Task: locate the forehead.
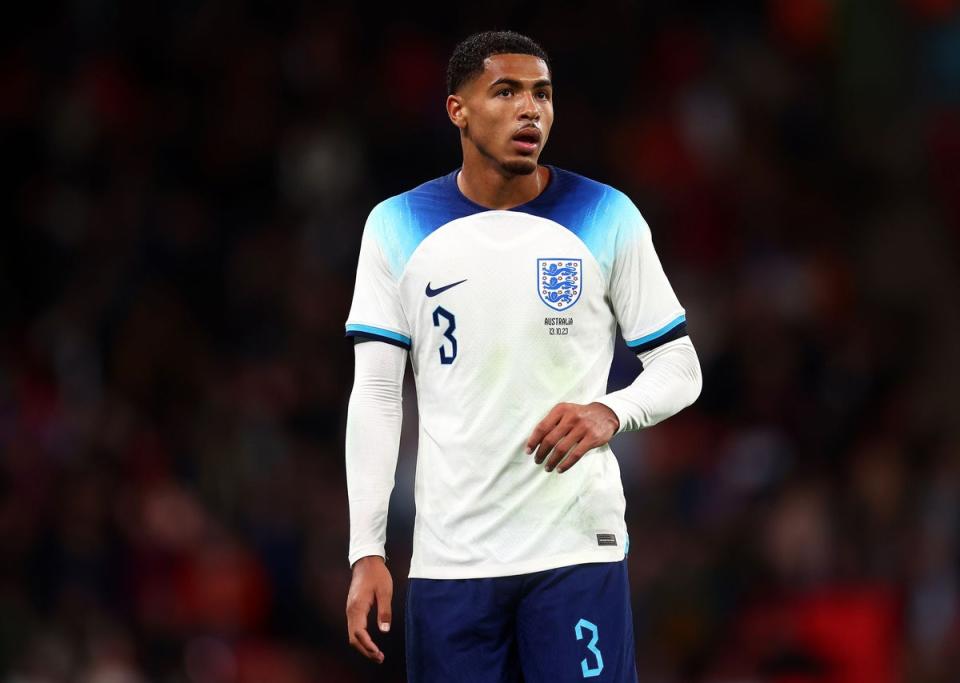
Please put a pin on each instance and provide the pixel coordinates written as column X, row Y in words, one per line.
column 513, row 66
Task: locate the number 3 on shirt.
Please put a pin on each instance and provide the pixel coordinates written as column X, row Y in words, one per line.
column 441, row 312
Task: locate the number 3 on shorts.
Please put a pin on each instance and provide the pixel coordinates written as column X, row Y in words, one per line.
column 589, row 672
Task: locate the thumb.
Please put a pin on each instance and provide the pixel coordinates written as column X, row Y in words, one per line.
column 384, row 610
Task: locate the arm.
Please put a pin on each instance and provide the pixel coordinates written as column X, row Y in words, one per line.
column 669, row 382
column 374, row 416
column 653, row 324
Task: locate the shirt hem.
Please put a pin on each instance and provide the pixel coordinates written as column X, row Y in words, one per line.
column 641, row 336
column 488, row 571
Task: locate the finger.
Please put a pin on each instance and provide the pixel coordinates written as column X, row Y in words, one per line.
column 549, row 441
column 357, row 611
column 384, row 608
column 544, row 426
column 362, row 642
column 563, row 447
column 574, row 456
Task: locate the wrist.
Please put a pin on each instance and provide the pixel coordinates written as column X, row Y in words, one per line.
column 608, row 415
column 368, row 561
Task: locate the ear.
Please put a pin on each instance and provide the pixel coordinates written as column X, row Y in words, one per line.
column 456, row 111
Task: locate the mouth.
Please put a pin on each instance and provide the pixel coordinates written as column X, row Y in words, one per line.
column 527, row 140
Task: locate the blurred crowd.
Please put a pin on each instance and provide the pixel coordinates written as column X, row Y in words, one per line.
column 184, row 189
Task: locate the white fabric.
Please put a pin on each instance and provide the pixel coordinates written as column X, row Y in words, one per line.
column 374, row 415
column 468, row 291
column 670, row 381
column 376, row 294
column 642, row 298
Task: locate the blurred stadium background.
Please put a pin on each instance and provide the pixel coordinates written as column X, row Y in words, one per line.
column 184, row 188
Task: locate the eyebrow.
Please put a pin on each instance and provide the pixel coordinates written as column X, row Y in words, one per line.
column 542, row 83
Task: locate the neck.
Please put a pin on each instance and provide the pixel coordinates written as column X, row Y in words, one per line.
column 488, row 185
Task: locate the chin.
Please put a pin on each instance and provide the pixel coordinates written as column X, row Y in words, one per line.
column 519, row 166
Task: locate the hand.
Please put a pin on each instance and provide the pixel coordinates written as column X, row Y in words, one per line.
column 371, row 582
column 571, row 425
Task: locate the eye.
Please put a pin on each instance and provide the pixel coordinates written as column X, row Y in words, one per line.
column 504, row 91
column 543, row 95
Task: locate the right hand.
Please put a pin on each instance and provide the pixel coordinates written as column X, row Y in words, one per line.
column 371, row 583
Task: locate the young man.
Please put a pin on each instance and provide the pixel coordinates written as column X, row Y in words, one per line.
column 505, row 281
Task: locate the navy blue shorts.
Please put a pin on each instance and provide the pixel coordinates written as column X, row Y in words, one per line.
column 567, row 624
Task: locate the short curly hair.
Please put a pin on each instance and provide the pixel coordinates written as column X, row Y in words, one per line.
column 468, row 56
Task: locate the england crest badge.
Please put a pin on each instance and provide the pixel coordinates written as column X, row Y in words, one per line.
column 559, row 281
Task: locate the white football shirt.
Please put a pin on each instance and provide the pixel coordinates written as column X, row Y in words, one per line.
column 507, row 313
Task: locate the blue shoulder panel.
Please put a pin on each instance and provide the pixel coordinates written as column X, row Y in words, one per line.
column 404, row 220
column 595, row 212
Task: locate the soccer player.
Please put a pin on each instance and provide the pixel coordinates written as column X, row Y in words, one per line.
column 505, row 281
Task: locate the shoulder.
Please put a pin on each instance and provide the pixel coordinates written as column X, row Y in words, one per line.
column 416, row 211
column 594, row 207
column 605, row 218
column 432, row 193
column 401, row 222
column 593, row 191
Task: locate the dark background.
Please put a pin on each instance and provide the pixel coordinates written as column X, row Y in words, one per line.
column 184, row 188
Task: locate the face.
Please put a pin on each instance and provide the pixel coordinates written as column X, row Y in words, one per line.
column 505, row 113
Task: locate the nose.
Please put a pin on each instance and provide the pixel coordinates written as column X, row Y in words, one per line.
column 529, row 109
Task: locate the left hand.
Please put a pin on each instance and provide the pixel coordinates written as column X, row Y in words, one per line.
column 571, row 426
